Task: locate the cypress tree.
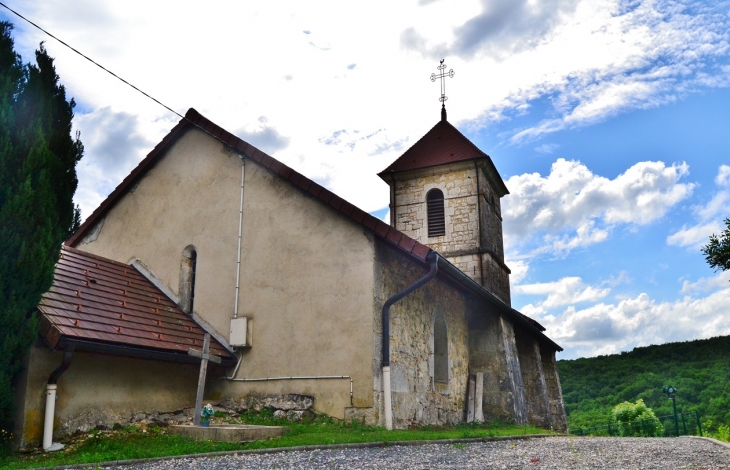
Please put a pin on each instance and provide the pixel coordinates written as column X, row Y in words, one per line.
column 38, row 157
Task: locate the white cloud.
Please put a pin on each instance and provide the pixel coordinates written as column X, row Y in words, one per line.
column 546, row 149
column 639, row 321
column 566, row 291
column 519, row 270
column 723, row 176
column 589, row 58
column 709, row 215
column 705, row 284
column 572, row 207
column 694, row 237
column 114, row 142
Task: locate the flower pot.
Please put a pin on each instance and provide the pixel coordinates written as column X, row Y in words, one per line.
column 205, row 424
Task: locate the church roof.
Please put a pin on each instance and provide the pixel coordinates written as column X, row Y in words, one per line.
column 103, row 305
column 442, row 145
column 192, row 119
column 385, row 232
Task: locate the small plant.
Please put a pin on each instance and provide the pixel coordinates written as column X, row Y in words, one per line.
column 460, row 445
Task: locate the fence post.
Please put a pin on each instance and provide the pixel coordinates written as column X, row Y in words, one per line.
column 684, row 425
column 609, row 429
column 699, row 425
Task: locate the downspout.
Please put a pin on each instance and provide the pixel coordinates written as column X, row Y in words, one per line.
column 238, row 264
column 240, row 230
column 432, row 258
column 51, row 386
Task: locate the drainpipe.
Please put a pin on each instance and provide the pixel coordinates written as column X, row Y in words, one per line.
column 240, row 227
column 48, row 444
column 432, row 258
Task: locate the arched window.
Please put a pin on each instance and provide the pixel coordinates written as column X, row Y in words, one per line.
column 187, row 278
column 435, row 213
column 440, row 350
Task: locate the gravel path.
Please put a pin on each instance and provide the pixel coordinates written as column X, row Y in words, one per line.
column 552, row 453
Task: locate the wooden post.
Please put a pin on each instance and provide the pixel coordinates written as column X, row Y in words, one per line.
column 205, row 356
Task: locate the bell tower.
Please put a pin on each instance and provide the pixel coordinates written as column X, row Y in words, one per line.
column 445, row 193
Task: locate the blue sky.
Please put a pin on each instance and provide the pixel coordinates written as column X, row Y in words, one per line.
column 606, row 119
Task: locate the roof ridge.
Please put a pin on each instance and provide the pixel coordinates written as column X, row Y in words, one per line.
column 194, row 118
column 431, row 151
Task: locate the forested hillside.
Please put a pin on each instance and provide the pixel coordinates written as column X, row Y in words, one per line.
column 700, row 370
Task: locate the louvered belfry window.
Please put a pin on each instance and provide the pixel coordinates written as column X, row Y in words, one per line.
column 435, row 210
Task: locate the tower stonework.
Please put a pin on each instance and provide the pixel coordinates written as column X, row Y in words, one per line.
column 445, row 160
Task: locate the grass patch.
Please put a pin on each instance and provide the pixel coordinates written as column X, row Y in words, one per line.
column 132, row 442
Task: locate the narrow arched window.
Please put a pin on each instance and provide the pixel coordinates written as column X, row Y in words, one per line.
column 435, row 213
column 187, row 278
column 440, row 350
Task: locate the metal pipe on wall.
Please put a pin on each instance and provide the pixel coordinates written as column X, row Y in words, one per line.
column 240, row 230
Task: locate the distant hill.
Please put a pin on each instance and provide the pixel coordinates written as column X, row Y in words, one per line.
column 699, row 370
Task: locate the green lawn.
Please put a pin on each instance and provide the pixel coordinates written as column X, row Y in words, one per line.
column 135, row 443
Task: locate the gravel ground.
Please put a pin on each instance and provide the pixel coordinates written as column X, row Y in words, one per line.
column 553, row 453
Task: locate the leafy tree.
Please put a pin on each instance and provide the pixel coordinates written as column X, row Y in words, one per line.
column 717, row 252
column 636, row 419
column 700, row 370
column 38, row 157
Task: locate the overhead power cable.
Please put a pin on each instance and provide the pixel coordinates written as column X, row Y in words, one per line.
column 109, row 71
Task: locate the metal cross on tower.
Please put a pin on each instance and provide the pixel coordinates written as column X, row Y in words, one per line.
column 442, row 75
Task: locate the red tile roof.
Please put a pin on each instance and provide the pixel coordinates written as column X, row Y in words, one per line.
column 192, row 119
column 442, row 145
column 98, row 300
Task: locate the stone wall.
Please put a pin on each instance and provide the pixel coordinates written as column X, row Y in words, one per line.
column 473, row 240
column 480, row 340
column 533, row 378
column 460, row 208
column 555, row 393
column 416, row 398
column 491, row 351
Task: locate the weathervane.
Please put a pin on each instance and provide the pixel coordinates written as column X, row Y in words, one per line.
column 442, row 75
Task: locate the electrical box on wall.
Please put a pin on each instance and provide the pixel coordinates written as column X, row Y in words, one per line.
column 240, row 332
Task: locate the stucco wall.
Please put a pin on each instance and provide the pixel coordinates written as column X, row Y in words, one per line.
column 306, row 272
column 307, row 282
column 99, row 390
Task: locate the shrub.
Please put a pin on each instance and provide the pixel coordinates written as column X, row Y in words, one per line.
column 636, row 419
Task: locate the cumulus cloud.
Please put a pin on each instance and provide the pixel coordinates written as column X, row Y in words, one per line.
column 566, row 291
column 572, row 207
column 263, row 136
column 641, row 321
column 709, row 216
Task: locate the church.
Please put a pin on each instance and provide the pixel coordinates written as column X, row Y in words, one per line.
column 399, row 324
